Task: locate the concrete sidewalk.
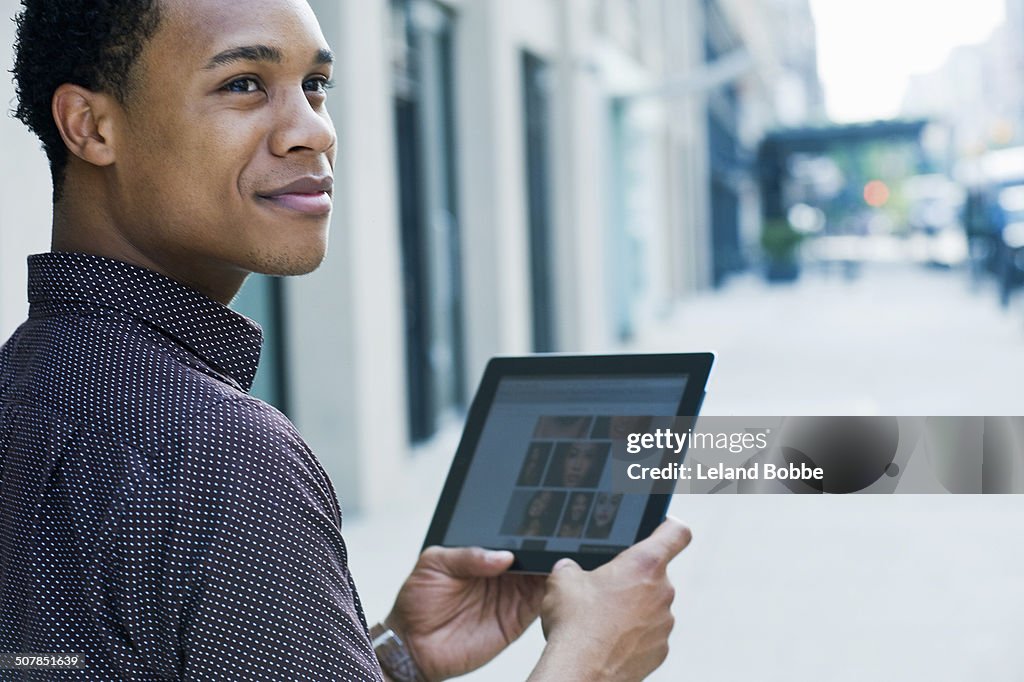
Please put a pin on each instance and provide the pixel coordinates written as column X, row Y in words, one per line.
column 797, row 588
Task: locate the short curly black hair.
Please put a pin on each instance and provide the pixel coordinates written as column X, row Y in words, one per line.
column 92, row 43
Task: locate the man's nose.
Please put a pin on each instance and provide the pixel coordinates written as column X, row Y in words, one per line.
column 300, row 126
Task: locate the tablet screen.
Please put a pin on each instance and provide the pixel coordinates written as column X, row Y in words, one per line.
column 540, row 475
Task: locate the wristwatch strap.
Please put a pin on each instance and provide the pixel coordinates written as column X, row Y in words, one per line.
column 394, row 657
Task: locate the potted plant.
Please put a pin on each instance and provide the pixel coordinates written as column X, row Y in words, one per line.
column 780, row 244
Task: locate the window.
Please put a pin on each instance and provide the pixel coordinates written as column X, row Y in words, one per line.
column 425, row 134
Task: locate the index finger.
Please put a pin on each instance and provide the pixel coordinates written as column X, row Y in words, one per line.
column 664, row 544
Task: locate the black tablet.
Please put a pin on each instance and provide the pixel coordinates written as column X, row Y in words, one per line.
column 532, row 473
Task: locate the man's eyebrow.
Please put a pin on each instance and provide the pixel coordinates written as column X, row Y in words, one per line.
column 260, row 53
column 245, row 53
column 324, row 56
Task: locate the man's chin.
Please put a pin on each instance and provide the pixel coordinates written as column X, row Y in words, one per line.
column 290, row 263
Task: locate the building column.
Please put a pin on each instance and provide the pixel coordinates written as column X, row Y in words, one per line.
column 492, row 186
column 582, row 177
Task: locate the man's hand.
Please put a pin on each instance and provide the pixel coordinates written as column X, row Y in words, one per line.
column 458, row 609
column 611, row 623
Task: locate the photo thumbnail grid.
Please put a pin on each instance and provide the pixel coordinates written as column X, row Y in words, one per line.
column 556, row 493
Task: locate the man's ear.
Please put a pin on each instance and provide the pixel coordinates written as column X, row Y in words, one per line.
column 85, row 121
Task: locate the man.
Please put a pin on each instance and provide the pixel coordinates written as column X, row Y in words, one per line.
column 154, row 517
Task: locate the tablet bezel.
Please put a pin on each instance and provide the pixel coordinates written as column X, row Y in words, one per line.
column 696, row 367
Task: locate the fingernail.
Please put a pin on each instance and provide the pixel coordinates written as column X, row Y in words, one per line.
column 496, row 556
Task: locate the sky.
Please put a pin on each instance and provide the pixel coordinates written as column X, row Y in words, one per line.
column 868, row 49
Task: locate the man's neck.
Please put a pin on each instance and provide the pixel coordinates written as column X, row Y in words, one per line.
column 81, row 227
column 88, row 219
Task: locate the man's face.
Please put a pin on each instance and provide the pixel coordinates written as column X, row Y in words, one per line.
column 226, row 160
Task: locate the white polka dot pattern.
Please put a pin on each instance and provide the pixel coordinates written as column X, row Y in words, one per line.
column 154, row 517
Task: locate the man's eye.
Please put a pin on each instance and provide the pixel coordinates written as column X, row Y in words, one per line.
column 242, row 85
column 320, row 85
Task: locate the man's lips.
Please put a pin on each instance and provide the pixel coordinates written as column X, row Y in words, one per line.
column 312, row 204
column 309, row 195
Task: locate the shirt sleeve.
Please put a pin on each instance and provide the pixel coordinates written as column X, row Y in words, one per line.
column 270, row 596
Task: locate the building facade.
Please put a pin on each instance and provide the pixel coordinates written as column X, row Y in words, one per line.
column 512, row 177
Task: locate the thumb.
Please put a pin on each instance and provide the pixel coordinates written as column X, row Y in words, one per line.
column 667, row 540
column 565, row 566
column 467, row 562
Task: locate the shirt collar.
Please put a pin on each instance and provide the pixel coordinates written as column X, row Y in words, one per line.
column 220, row 337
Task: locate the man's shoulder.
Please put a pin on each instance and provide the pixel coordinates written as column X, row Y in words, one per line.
column 136, row 397
column 236, row 417
column 248, row 455
column 110, row 371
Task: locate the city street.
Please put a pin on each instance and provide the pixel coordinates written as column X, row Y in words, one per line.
column 516, row 176
column 899, row 340
column 792, row 588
